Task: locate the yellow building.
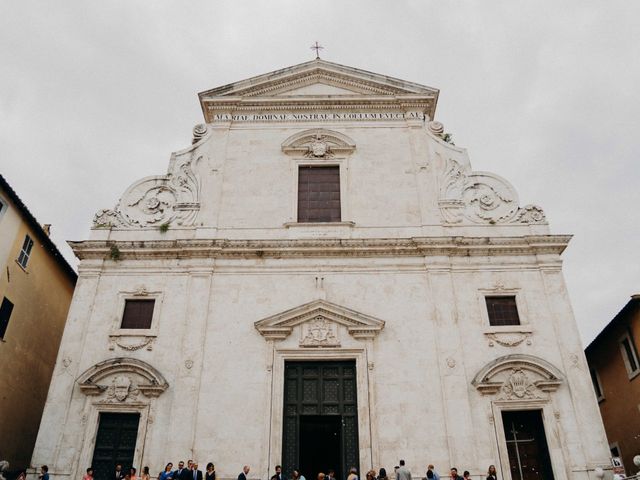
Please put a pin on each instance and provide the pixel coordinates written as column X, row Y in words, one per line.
column 36, row 285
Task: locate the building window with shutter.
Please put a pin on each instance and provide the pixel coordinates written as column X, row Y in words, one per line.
column 5, row 314
column 629, row 355
column 319, row 194
column 597, row 386
column 25, row 251
column 502, row 310
column 138, row 314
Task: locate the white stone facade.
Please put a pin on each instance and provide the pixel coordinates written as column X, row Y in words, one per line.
column 398, row 285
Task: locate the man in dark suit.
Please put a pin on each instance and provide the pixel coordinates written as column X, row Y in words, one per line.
column 119, row 474
column 195, row 473
column 181, row 473
column 244, row 473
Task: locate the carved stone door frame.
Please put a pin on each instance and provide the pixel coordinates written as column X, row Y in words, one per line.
column 93, row 423
column 366, row 440
column 549, row 422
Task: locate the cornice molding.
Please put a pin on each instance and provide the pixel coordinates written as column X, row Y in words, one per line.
column 237, row 105
column 379, row 247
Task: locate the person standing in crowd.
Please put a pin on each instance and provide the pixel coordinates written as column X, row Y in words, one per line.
column 491, row 473
column 331, row 475
column 434, row 474
column 321, row 476
column 454, row 474
column 132, row 474
column 353, row 474
column 278, row 474
column 44, row 472
column 145, row 474
column 88, row 475
column 167, row 474
column 189, row 465
column 403, row 472
column 382, row 474
column 371, row 475
column 466, row 475
column 244, row 473
column 181, row 473
column 210, row 474
column 195, row 473
column 119, row 475
column 297, row 475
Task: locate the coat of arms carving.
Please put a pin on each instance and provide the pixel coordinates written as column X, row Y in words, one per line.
column 319, row 332
column 519, row 386
column 121, row 388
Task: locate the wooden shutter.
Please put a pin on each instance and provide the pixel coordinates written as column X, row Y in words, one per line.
column 137, row 314
column 319, row 194
column 502, row 311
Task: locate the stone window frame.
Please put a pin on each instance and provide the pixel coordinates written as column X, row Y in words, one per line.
column 135, row 338
column 505, row 335
column 343, row 166
column 631, row 373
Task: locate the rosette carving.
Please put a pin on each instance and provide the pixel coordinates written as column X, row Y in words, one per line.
column 482, row 198
column 158, row 200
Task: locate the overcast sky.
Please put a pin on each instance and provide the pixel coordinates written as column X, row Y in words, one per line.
column 95, row 94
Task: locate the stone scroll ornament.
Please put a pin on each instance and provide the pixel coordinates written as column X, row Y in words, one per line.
column 158, row 200
column 481, row 197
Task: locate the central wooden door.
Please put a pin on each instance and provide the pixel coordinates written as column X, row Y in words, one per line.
column 115, row 443
column 527, row 445
column 320, row 428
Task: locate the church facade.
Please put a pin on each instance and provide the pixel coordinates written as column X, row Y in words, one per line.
column 321, row 280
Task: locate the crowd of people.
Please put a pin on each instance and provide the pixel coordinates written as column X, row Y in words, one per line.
column 191, row 472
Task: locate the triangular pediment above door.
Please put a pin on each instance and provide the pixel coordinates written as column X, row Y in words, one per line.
column 322, row 314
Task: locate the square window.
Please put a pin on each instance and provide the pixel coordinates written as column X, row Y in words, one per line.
column 137, row 314
column 502, row 311
column 319, row 193
column 5, row 313
column 25, row 251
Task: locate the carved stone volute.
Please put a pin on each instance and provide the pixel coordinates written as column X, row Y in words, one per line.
column 481, row 197
column 158, row 200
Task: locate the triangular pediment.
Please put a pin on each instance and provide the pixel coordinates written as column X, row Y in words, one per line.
column 280, row 326
column 319, row 72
